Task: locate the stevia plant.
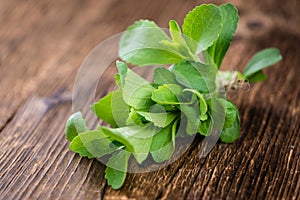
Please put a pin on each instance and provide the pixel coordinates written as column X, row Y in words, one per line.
column 143, row 116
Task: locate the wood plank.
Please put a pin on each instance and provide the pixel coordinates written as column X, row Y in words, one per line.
column 42, row 46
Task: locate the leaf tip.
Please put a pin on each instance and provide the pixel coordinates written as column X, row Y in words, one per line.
column 74, row 125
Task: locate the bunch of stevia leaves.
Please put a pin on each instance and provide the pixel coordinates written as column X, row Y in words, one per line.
column 144, row 117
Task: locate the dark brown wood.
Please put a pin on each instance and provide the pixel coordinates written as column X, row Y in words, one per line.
column 43, row 44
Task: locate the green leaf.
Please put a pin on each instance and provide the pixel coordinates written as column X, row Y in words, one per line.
column 229, row 20
column 120, row 110
column 174, row 130
column 157, row 108
column 231, row 112
column 136, row 91
column 135, row 118
column 206, row 127
column 257, row 76
column 74, row 126
column 163, row 76
column 140, row 45
column 196, row 75
column 202, row 26
column 78, row 147
column 137, row 139
column 162, row 146
column 118, row 80
column 207, row 58
column 261, row 60
column 112, row 109
column 231, row 127
column 192, row 115
column 203, row 105
column 178, row 43
column 232, row 133
column 115, row 172
column 92, row 144
column 175, row 31
column 159, row 119
column 217, row 111
column 167, row 94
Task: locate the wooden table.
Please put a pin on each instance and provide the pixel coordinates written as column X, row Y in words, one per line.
column 43, row 44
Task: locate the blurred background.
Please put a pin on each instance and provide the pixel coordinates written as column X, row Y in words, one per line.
column 44, row 42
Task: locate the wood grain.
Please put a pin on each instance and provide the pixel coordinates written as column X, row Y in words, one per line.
column 43, row 44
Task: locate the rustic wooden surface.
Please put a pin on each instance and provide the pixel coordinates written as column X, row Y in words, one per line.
column 42, row 46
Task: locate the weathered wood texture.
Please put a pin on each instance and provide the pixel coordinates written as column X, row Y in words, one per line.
column 42, row 46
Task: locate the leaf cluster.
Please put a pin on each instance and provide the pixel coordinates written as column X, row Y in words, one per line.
column 144, row 116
